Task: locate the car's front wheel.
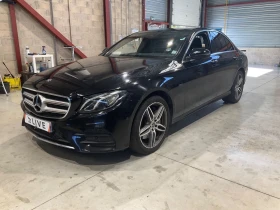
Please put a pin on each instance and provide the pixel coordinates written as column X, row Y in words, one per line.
column 150, row 126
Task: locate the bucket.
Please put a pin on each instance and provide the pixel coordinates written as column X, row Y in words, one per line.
column 14, row 82
column 7, row 87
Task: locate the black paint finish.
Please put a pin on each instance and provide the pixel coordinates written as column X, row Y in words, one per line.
column 187, row 84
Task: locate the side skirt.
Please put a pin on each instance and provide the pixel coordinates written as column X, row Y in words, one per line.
column 200, row 107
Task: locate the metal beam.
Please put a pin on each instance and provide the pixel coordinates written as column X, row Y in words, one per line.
column 48, row 26
column 107, row 23
column 244, row 3
column 205, row 13
column 15, row 36
column 169, row 12
column 143, row 15
column 54, row 39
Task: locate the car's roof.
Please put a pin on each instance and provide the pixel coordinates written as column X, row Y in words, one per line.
column 188, row 30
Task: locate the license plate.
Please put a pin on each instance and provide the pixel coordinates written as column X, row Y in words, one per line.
column 38, row 123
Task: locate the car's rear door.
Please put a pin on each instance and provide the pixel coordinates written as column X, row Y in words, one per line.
column 224, row 61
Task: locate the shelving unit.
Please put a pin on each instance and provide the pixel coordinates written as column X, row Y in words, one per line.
column 34, row 57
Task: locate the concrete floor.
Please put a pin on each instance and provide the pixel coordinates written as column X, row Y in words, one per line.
column 222, row 157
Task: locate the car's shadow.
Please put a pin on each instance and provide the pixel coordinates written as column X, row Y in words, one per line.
column 117, row 157
column 195, row 116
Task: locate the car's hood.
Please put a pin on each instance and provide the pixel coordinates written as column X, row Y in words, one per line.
column 95, row 75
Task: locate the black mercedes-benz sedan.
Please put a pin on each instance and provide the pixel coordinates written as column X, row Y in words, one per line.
column 130, row 95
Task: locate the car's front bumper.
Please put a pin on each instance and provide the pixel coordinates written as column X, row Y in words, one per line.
column 88, row 133
column 95, row 138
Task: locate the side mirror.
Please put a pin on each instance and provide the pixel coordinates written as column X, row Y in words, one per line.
column 197, row 53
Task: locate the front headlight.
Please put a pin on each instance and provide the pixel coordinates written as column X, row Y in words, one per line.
column 102, row 102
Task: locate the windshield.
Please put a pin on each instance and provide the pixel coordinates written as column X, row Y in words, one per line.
column 155, row 44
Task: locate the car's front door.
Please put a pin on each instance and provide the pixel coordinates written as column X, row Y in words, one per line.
column 199, row 88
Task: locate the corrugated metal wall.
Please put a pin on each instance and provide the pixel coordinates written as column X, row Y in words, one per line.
column 156, row 9
column 253, row 25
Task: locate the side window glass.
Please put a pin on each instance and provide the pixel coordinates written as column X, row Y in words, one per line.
column 228, row 46
column 219, row 43
column 200, row 41
column 215, row 43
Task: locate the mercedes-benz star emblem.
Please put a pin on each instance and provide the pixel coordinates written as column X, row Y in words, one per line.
column 37, row 103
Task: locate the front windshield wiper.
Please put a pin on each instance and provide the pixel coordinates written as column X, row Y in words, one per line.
column 119, row 55
column 125, row 54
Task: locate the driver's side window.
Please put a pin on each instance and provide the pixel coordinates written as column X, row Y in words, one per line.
column 200, row 41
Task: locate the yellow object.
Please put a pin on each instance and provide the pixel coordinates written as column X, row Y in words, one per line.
column 14, row 82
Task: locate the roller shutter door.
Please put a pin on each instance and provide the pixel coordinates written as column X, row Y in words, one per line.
column 186, row 13
column 220, row 2
column 156, row 9
column 252, row 25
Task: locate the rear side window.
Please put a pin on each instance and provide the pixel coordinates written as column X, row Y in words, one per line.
column 219, row 43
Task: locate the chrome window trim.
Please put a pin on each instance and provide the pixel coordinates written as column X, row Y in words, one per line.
column 217, row 53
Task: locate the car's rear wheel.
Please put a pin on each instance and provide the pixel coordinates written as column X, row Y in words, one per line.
column 150, row 126
column 237, row 89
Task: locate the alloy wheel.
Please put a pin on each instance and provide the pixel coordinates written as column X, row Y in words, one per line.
column 153, row 125
column 239, row 86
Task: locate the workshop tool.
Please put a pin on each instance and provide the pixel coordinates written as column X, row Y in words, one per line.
column 11, row 79
column 8, row 70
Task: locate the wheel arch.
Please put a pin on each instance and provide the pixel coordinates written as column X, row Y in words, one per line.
column 244, row 73
column 239, row 69
column 165, row 96
column 157, row 92
column 243, row 70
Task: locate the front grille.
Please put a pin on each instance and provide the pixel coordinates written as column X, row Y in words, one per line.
column 47, row 105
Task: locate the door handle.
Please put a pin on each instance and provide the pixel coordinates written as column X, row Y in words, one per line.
column 235, row 58
column 214, row 61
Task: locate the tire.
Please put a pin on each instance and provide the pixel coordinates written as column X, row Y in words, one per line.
column 152, row 119
column 237, row 89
